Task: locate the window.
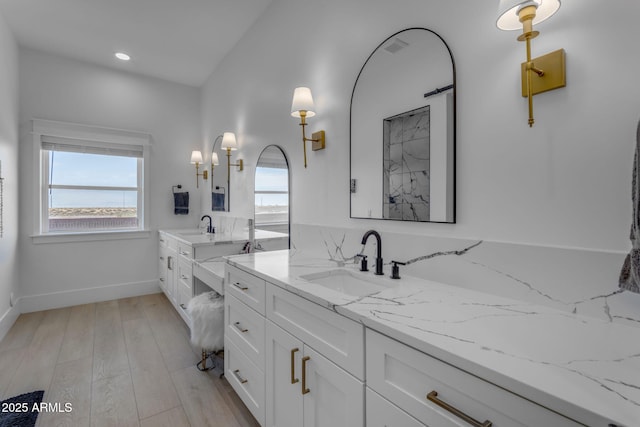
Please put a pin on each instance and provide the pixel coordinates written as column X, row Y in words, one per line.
column 90, row 184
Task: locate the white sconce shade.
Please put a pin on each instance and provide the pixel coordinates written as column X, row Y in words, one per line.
column 508, row 18
column 302, row 101
column 229, row 141
column 214, row 159
column 196, row 157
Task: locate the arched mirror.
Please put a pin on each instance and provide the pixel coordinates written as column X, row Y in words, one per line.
column 219, row 193
column 403, row 131
column 272, row 191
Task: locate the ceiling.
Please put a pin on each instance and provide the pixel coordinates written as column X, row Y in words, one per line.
column 177, row 40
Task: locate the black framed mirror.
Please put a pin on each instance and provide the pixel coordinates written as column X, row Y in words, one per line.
column 403, row 131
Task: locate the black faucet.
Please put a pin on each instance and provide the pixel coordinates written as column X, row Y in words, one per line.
column 210, row 228
column 379, row 253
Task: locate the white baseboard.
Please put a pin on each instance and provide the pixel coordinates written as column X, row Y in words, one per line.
column 8, row 319
column 49, row 301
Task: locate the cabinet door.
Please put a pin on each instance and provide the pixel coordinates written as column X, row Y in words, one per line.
column 335, row 397
column 284, row 392
column 171, row 279
column 162, row 268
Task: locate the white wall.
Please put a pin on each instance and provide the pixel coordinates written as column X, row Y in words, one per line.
column 9, row 158
column 564, row 182
column 56, row 88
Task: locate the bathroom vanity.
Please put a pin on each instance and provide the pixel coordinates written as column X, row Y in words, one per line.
column 190, row 261
column 310, row 343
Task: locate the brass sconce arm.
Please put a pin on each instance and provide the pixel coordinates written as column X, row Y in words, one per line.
column 317, row 138
column 239, row 165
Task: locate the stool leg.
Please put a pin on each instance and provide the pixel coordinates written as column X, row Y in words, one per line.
column 204, row 360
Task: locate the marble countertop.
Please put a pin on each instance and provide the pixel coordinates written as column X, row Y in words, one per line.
column 585, row 368
column 197, row 238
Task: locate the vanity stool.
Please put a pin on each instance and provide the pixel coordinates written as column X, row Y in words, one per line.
column 207, row 328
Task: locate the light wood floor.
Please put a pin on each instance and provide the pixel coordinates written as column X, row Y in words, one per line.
column 125, row 362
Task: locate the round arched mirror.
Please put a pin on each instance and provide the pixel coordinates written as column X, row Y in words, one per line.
column 272, row 191
column 403, row 117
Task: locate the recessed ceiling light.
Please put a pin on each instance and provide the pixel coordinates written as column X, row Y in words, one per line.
column 122, row 56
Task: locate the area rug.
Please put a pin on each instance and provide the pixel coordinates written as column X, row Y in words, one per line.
column 17, row 411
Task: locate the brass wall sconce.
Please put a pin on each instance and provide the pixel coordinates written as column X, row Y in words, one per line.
column 196, row 159
column 229, row 143
column 302, row 107
column 543, row 73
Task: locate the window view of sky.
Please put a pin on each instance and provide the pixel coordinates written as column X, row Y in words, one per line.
column 68, row 168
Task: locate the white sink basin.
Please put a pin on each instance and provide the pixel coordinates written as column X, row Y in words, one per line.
column 344, row 281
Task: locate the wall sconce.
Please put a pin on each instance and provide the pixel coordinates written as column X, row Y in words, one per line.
column 302, row 107
column 229, row 143
column 196, row 159
column 543, row 73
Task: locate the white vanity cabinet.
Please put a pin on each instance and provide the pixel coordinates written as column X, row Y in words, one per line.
column 277, row 342
column 305, row 388
column 168, row 265
column 244, row 338
column 442, row 395
column 176, row 257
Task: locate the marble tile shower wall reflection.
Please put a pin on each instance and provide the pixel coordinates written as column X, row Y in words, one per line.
column 577, row 282
column 406, row 166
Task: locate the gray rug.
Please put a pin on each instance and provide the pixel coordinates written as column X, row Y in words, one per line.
column 17, row 411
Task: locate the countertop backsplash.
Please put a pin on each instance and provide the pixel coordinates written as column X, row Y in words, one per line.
column 582, row 282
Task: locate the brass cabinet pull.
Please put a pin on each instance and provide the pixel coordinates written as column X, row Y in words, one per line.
column 433, row 397
column 182, row 306
column 162, row 279
column 305, row 390
column 242, row 288
column 240, row 328
column 237, row 374
column 293, row 367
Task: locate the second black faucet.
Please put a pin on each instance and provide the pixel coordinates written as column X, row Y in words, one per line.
column 379, row 271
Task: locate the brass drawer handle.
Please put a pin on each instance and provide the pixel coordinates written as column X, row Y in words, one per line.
column 293, row 367
column 183, row 277
column 433, row 397
column 182, row 306
column 305, row 390
column 240, row 328
column 242, row 288
column 239, row 378
column 161, row 279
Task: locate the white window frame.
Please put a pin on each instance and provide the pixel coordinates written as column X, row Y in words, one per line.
column 84, row 135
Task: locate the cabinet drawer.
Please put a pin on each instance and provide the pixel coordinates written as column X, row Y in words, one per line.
column 184, row 271
column 185, row 250
column 406, row 376
column 184, row 296
column 246, row 287
column 334, row 336
column 246, row 328
column 382, row 413
column 246, row 379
